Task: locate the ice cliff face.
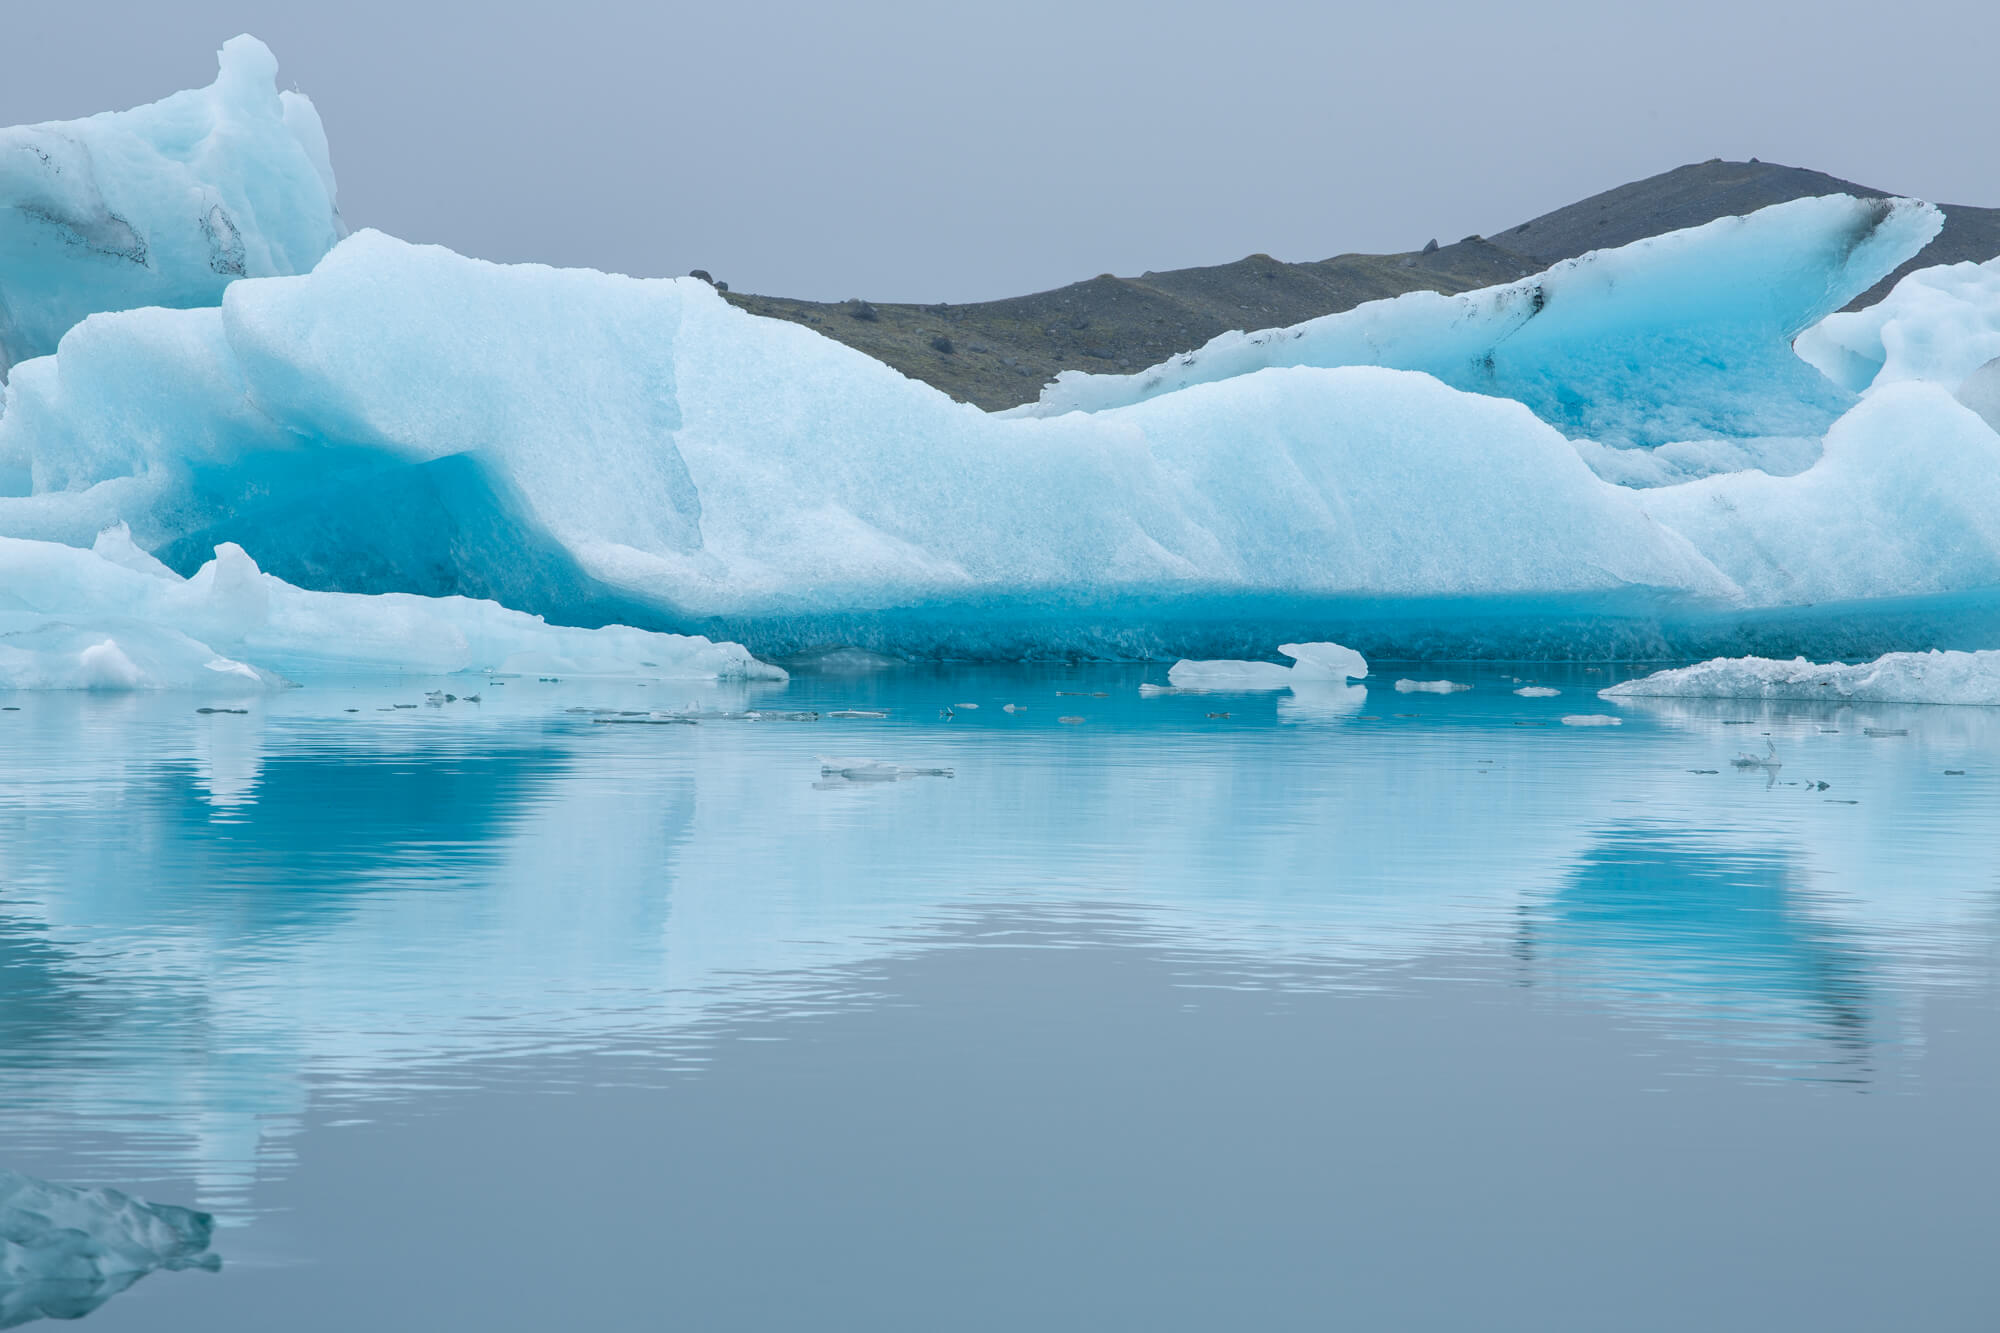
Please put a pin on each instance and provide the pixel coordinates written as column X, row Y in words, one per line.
column 65, row 1251
column 1620, row 456
column 161, row 205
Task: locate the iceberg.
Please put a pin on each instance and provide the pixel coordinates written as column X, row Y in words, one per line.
column 1680, row 337
column 1315, row 663
column 1622, row 457
column 65, row 1251
column 112, row 618
column 162, row 205
column 1894, row 678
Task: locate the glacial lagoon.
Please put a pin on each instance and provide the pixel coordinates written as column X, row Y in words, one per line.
column 1335, row 1007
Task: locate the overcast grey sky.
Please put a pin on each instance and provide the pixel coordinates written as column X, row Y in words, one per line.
column 927, row 150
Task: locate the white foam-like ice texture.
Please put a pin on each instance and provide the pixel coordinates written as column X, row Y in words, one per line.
column 164, row 204
column 64, row 1251
column 1431, row 686
column 111, row 619
column 1592, row 720
column 1537, row 692
column 1895, row 678
column 1937, row 324
column 1311, row 663
column 1679, row 337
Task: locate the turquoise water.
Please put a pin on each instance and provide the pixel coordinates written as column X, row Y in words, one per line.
column 1353, row 1008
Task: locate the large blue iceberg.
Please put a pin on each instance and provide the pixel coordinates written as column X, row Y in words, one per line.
column 1622, row 457
column 161, row 205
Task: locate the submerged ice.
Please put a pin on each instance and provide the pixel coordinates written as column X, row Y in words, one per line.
column 64, row 1251
column 1623, row 455
column 162, row 205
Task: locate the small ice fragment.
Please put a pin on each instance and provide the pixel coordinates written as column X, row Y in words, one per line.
column 1013, row 708
column 972, row 707
column 1430, row 687
column 856, row 712
column 874, row 770
column 1591, row 720
column 1769, row 759
column 1070, row 721
column 1537, row 692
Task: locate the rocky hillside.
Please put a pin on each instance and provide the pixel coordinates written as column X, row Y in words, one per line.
column 999, row 353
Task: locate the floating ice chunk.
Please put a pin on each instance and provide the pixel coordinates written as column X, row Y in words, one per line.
column 162, row 205
column 1430, row 686
column 1537, row 692
column 1682, row 336
column 1769, row 759
column 97, row 619
column 64, row 1251
column 1592, row 720
column 1938, row 324
column 866, row 712
column 1310, row 662
column 1897, row 678
column 874, row 770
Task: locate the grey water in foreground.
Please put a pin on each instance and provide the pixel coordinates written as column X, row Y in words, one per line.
column 1344, row 1008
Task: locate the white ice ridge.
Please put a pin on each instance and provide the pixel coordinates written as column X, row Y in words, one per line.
column 64, row 1251
column 113, row 618
column 1317, row 663
column 162, row 205
column 1940, row 325
column 1679, row 337
column 1896, row 678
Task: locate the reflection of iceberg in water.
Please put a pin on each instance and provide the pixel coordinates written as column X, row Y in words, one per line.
column 396, row 892
column 66, row 1251
column 1728, row 943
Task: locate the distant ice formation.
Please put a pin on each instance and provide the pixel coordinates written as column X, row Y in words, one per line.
column 65, row 1251
column 1895, row 678
column 162, row 205
column 1319, row 663
column 1679, row 337
column 113, row 618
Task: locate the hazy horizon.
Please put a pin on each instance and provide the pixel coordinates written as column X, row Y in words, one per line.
column 907, row 153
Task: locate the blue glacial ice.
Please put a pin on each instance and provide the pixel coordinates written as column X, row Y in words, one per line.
column 161, row 205
column 114, row 618
column 1621, row 457
column 1676, row 338
column 64, row 1251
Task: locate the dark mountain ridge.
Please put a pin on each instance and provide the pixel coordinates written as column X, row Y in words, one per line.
column 998, row 354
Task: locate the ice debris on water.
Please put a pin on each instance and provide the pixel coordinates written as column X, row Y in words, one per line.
column 1591, row 720
column 1311, row 662
column 1430, row 686
column 65, row 1250
column 857, row 713
column 1767, row 760
column 1895, row 678
column 1537, row 692
column 875, row 770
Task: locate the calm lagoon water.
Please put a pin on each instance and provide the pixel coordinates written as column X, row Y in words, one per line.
column 1348, row 1009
